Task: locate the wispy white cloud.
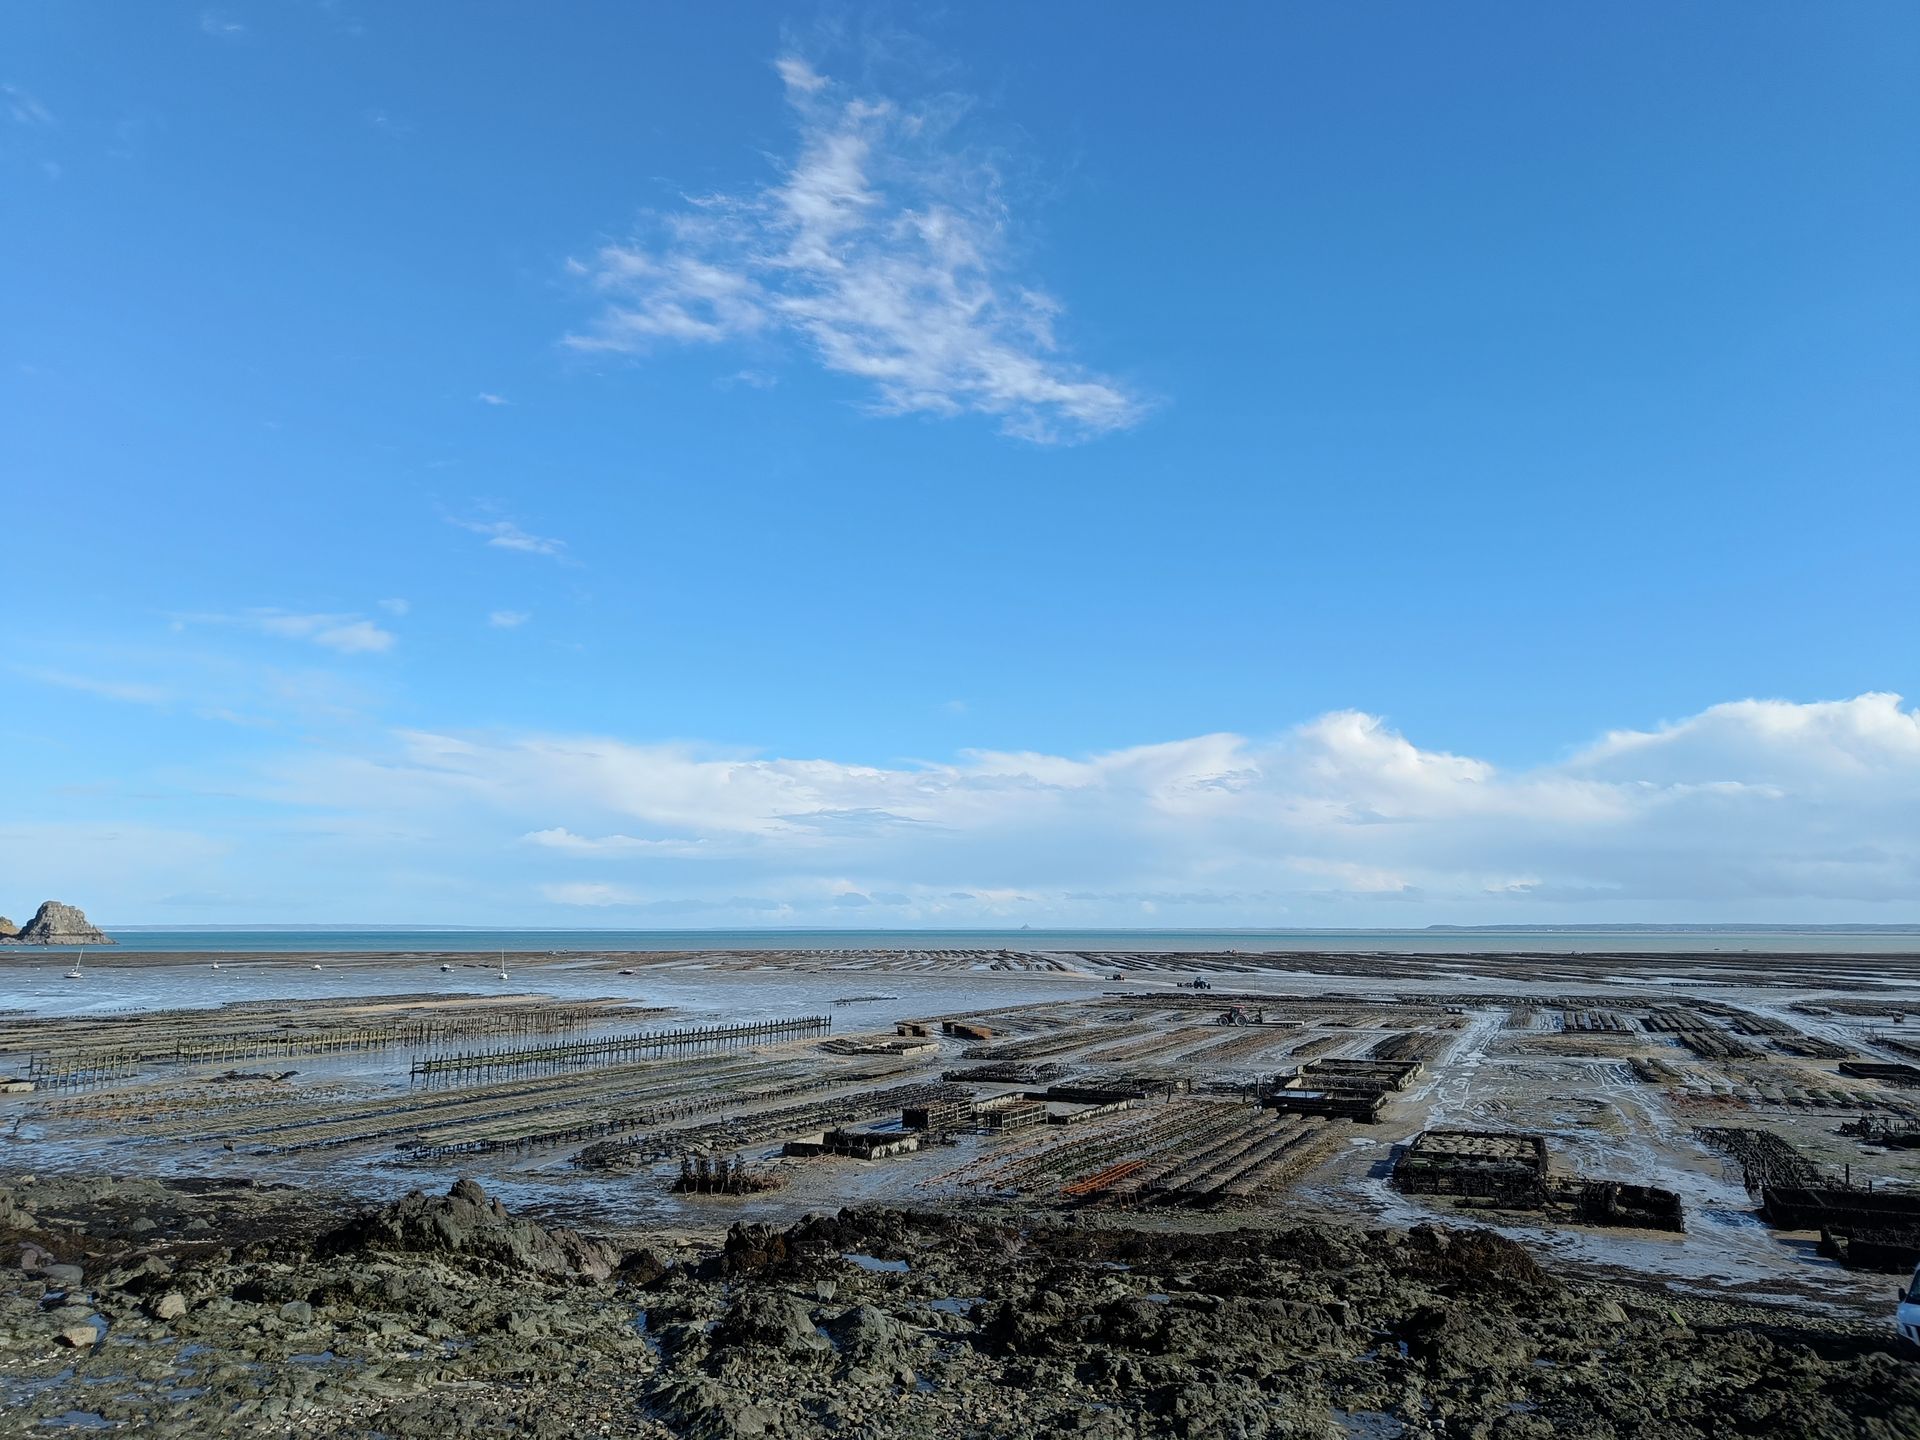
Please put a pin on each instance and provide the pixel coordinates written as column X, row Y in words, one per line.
column 614, row 846
column 507, row 619
column 346, row 634
column 395, row 606
column 505, row 535
column 131, row 692
column 220, row 25
column 1752, row 810
column 487, row 397
column 882, row 247
column 24, row 109
column 593, row 892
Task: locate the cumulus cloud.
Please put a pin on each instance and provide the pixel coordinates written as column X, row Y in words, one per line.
column 1752, row 810
column 505, row 535
column 882, row 248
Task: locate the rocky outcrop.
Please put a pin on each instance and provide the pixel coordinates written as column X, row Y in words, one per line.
column 466, row 1221
column 441, row 1318
column 7, row 928
column 57, row 924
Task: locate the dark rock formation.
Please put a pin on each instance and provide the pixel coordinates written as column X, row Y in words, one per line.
column 7, row 928
column 57, row 924
column 466, row 1221
column 445, row 1319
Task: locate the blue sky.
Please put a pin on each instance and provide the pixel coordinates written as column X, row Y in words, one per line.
column 656, row 465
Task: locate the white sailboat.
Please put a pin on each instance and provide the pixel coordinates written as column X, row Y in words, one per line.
column 74, row 974
column 503, row 964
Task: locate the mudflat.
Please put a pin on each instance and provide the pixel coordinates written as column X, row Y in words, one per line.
column 1125, row 1193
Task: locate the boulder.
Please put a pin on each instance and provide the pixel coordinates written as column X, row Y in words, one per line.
column 751, row 1248
column 7, row 928
column 702, row 1409
column 770, row 1320
column 865, row 1331
column 466, row 1221
column 643, row 1267
column 170, row 1306
column 79, row 1337
column 141, row 1277
column 14, row 1215
column 57, row 924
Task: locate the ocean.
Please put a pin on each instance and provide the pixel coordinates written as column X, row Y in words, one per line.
column 332, row 940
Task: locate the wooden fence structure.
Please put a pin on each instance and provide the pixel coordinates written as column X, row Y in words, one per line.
column 512, row 1061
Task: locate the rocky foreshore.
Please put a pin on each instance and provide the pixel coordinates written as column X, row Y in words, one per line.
column 189, row 1310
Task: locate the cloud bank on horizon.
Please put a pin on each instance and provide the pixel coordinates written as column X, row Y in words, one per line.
column 1755, row 810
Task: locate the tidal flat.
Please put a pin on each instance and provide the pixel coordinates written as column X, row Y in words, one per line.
column 958, row 1192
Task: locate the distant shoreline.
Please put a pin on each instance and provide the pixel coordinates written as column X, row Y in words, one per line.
column 1644, row 961
column 1628, row 928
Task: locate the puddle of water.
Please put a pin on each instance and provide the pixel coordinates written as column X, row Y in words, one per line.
column 78, row 1420
column 954, row 1304
column 875, row 1266
column 1368, row 1424
column 22, row 1392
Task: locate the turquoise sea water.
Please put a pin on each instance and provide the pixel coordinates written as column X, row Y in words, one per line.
column 346, row 941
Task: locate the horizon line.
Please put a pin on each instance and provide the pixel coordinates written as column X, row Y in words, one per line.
column 1735, row 927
